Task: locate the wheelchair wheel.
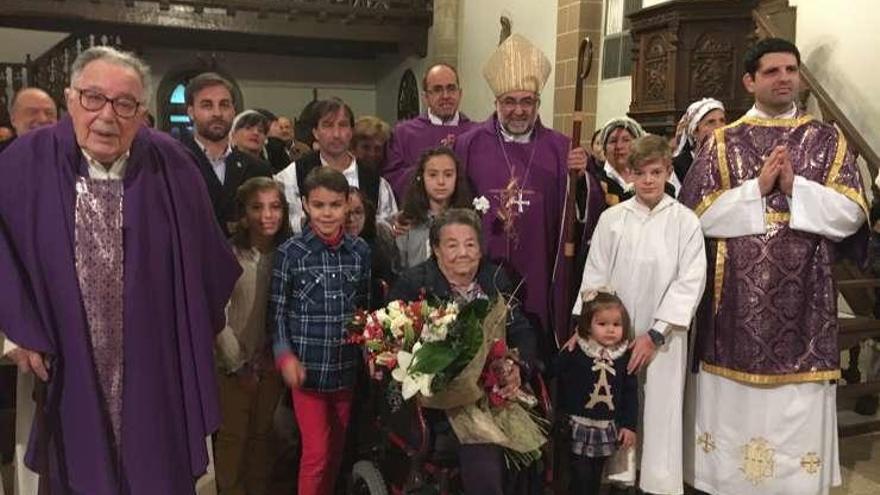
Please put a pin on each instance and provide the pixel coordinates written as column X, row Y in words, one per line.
column 367, row 480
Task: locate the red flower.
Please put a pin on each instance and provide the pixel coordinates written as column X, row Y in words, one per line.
column 491, row 376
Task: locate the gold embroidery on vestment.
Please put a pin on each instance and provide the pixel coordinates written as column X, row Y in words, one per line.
column 811, row 463
column 706, row 442
column 759, row 379
column 758, row 461
column 777, row 217
column 720, row 258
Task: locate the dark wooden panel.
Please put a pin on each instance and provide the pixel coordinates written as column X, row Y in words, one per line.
column 686, row 50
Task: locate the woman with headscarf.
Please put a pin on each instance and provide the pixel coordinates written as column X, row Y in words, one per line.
column 617, row 137
column 696, row 125
column 248, row 134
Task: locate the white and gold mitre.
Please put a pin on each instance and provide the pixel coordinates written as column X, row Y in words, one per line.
column 517, row 65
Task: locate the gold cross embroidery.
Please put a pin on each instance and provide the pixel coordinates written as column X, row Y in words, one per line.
column 706, row 442
column 758, row 462
column 811, row 462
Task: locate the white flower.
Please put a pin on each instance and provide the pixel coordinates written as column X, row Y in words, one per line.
column 434, row 332
column 395, row 310
column 411, row 383
column 398, row 325
column 481, row 204
column 381, row 316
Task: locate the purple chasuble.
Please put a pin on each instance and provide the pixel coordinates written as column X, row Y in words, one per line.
column 409, row 140
column 178, row 275
column 770, row 312
column 523, row 225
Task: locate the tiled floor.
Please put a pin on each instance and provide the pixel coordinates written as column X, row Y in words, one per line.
column 860, row 465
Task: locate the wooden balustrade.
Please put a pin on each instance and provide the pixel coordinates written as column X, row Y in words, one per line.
column 327, row 28
column 12, row 78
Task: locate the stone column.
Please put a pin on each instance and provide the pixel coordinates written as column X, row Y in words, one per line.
column 445, row 32
column 576, row 19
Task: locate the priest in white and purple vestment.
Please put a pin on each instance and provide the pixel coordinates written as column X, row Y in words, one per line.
column 775, row 192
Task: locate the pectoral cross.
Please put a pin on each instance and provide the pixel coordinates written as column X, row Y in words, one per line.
column 520, row 202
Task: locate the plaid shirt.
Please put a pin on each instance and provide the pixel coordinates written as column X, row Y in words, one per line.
column 315, row 292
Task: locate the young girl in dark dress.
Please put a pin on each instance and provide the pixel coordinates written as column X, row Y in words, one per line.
column 598, row 396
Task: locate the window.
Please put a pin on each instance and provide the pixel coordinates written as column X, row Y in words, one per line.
column 176, row 110
column 617, row 45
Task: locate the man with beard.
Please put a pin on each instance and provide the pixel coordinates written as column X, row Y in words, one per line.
column 210, row 106
column 440, row 125
column 31, row 108
column 520, row 166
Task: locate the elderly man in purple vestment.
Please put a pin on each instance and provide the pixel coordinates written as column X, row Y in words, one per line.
column 521, row 167
column 441, row 123
column 775, row 191
column 113, row 280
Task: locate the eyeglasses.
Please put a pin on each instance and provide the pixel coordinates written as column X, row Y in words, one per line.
column 93, row 101
column 512, row 103
column 439, row 90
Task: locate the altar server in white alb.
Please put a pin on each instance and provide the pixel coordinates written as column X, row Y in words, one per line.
column 775, row 191
column 650, row 250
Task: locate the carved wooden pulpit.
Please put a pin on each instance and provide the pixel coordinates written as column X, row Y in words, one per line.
column 685, row 50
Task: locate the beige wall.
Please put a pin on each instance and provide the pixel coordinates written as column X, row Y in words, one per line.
column 838, row 40
column 16, row 43
column 280, row 84
column 479, row 30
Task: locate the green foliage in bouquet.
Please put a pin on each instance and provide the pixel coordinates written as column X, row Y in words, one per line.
column 447, row 358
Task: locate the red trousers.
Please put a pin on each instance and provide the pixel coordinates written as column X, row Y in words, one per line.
column 323, row 420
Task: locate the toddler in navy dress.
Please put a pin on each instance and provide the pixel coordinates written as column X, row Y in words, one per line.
column 596, row 393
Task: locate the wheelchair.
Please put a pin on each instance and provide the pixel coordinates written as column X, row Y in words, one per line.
column 415, row 450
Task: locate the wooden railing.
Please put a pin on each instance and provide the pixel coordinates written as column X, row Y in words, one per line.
column 51, row 70
column 831, row 112
column 12, row 78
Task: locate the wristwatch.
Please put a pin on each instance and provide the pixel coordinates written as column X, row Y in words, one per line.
column 656, row 337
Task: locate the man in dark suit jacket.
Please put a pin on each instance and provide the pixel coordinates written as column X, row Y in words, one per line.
column 210, row 105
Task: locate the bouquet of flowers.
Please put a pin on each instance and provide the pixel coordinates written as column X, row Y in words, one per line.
column 424, row 345
column 453, row 358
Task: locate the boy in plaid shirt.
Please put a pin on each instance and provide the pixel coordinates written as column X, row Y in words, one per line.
column 319, row 279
